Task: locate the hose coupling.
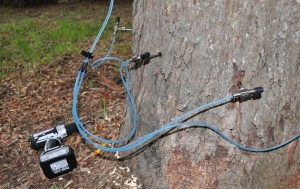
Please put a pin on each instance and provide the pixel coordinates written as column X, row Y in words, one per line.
column 143, row 59
column 139, row 58
column 116, row 27
column 83, row 68
column 246, row 94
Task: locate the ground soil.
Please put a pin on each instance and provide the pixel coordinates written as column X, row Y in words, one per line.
column 33, row 101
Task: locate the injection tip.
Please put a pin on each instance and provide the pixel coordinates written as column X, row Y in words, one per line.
column 259, row 90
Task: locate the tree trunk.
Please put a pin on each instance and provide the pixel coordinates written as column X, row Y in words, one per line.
column 208, row 47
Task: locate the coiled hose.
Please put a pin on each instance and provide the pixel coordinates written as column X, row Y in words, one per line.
column 175, row 123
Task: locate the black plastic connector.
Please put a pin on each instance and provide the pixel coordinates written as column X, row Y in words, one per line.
column 118, row 19
column 144, row 56
column 71, row 128
column 246, row 94
column 83, row 69
column 258, row 90
column 86, row 54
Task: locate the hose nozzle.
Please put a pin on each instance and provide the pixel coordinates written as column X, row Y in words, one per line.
column 246, row 94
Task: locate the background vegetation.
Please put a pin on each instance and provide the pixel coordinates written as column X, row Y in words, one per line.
column 22, row 3
column 29, row 37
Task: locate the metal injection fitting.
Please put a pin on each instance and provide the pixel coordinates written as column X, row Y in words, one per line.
column 124, row 29
column 143, row 59
column 116, row 27
column 157, row 54
column 139, row 58
column 246, row 94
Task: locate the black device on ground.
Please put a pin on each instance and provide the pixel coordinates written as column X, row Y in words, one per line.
column 38, row 140
column 57, row 159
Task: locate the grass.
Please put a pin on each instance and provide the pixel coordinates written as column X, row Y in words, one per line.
column 38, row 36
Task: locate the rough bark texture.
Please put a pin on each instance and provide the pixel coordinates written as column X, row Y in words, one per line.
column 208, row 47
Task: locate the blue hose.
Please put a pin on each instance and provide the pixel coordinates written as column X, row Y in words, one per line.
column 99, row 62
column 177, row 122
column 173, row 124
column 103, row 26
column 80, row 126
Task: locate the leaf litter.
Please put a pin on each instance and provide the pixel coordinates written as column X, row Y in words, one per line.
column 31, row 103
column 32, row 100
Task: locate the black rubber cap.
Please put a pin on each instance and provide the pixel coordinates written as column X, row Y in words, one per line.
column 259, row 90
column 71, row 128
column 34, row 145
column 145, row 55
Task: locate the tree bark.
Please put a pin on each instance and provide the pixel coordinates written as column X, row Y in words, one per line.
column 208, row 47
